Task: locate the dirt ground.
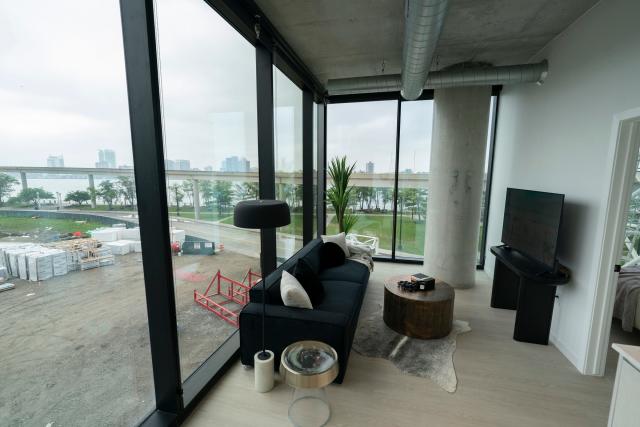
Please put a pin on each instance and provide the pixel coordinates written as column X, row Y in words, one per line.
column 74, row 350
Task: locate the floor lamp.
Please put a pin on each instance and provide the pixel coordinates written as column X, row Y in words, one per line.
column 262, row 214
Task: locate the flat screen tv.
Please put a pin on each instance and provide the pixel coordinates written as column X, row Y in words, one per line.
column 532, row 223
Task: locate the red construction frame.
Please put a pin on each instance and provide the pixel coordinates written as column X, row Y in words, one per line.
column 234, row 293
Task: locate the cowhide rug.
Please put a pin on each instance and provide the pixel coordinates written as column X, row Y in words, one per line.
column 431, row 359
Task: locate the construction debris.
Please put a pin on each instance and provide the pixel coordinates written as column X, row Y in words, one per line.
column 7, row 287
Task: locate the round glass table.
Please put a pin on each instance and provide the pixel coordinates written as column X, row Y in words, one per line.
column 309, row 367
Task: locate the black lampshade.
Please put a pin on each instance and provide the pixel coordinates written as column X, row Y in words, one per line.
column 261, row 214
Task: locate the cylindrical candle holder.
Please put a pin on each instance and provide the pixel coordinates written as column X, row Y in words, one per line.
column 263, row 370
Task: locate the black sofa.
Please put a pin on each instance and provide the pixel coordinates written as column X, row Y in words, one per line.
column 333, row 321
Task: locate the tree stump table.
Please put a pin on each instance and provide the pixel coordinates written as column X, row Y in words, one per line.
column 419, row 314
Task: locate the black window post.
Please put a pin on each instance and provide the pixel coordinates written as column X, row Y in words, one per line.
column 307, row 166
column 395, row 183
column 266, row 160
column 321, row 158
column 146, row 135
column 487, row 191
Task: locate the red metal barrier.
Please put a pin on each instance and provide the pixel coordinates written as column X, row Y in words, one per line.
column 226, row 302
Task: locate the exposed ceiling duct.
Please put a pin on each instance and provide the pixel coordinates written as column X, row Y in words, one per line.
column 423, row 24
column 473, row 76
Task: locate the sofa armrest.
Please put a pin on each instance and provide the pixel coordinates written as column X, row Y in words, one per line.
column 286, row 325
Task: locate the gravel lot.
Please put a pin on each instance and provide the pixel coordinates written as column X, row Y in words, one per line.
column 74, row 350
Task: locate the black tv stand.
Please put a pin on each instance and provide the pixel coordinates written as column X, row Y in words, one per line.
column 525, row 286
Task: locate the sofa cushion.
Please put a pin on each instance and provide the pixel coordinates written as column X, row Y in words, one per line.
column 309, row 280
column 339, row 239
column 350, row 271
column 292, row 292
column 313, row 256
column 331, row 255
column 341, row 297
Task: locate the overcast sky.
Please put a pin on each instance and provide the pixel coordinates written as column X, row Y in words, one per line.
column 366, row 132
column 63, row 91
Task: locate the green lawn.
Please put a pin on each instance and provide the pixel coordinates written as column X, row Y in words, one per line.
column 23, row 225
column 410, row 240
column 378, row 225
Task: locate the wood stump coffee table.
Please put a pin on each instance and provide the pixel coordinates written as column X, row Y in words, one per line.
column 420, row 314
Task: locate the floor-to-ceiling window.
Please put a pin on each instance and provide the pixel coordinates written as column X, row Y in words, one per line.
column 413, row 177
column 74, row 334
column 288, row 160
column 211, row 149
column 364, row 133
column 486, row 178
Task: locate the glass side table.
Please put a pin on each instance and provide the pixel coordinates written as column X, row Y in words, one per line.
column 308, row 367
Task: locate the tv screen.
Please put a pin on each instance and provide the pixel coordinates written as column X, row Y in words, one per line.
column 532, row 222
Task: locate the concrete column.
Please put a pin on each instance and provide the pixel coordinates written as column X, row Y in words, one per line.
column 456, row 174
column 23, row 178
column 196, row 199
column 92, row 187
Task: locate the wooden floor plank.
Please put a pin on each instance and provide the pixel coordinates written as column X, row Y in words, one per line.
column 501, row 382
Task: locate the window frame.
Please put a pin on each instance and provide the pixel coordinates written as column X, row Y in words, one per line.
column 175, row 398
column 426, row 95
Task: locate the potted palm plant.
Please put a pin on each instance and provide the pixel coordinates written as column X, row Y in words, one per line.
column 339, row 194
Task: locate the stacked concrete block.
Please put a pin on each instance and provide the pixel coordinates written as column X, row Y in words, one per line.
column 40, row 266
column 106, row 234
column 59, row 262
column 119, row 247
column 130, row 233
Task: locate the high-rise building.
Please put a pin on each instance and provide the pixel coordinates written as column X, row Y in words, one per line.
column 55, row 161
column 169, row 164
column 106, row 159
column 370, row 167
column 208, row 168
column 235, row 164
column 183, row 165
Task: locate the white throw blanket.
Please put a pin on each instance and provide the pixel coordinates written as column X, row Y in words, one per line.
column 361, row 254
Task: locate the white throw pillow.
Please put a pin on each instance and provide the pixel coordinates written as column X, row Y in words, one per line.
column 338, row 239
column 292, row 292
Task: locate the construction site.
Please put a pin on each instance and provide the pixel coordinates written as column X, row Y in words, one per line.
column 74, row 321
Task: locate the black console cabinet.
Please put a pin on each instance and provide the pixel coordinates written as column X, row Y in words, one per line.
column 519, row 285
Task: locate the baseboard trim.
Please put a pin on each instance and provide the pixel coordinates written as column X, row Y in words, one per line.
column 568, row 353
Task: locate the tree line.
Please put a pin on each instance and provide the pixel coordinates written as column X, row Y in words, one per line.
column 411, row 201
column 120, row 191
column 219, row 195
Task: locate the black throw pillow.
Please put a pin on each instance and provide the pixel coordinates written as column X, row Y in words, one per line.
column 331, row 255
column 310, row 281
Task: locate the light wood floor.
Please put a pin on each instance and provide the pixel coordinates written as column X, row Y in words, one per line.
column 501, row 382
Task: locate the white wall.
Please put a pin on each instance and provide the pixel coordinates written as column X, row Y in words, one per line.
column 557, row 138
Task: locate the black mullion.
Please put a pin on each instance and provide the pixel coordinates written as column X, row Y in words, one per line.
column 307, row 166
column 395, row 181
column 487, row 191
column 266, row 160
column 143, row 87
column 321, row 216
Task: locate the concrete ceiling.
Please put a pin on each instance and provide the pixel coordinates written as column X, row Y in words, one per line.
column 352, row 38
